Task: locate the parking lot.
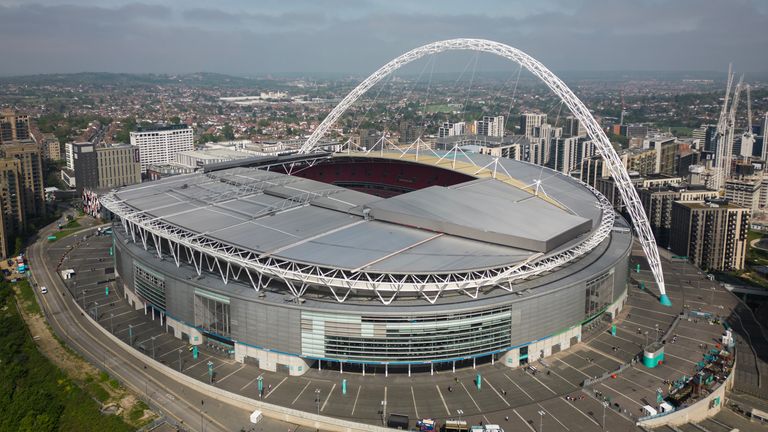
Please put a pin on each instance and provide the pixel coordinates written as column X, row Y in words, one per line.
column 513, row 398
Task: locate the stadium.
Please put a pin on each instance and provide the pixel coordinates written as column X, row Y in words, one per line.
column 396, row 258
column 386, row 259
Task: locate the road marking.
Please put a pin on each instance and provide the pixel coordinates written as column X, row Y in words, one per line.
column 550, row 414
column 574, row 368
column 495, row 391
column 275, row 387
column 66, row 311
column 627, row 397
column 559, row 376
column 470, row 396
column 545, row 386
column 521, row 389
column 443, row 399
column 331, row 392
column 653, row 311
column 582, row 412
column 639, row 386
column 414, row 403
column 195, row 364
column 236, row 371
column 302, row 391
column 523, row 420
column 249, row 383
column 679, row 358
column 358, row 395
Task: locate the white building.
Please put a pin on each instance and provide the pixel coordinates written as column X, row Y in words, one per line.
column 529, row 121
column 452, row 129
column 160, row 145
column 490, row 126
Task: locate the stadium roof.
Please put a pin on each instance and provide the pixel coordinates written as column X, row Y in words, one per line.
column 474, row 225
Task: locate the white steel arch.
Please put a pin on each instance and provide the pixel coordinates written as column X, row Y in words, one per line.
column 577, row 107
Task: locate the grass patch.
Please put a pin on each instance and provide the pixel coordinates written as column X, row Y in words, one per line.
column 35, row 395
column 28, row 299
column 115, row 384
column 64, row 233
column 97, row 391
column 72, row 224
column 137, row 411
column 103, row 377
column 440, row 108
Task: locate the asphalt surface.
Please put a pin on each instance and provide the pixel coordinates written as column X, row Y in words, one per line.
column 182, row 405
column 513, row 398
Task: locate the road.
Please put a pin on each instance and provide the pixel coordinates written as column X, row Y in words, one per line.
column 186, row 407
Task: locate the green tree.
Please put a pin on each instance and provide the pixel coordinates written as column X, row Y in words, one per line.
column 227, row 132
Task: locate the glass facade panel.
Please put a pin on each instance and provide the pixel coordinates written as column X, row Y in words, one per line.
column 150, row 286
column 393, row 339
column 212, row 314
column 599, row 294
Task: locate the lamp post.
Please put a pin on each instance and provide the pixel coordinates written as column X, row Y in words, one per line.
column 605, row 404
column 130, row 334
column 202, row 404
column 317, row 400
column 180, row 350
column 541, row 419
column 111, row 324
column 96, row 311
column 383, row 412
column 153, row 347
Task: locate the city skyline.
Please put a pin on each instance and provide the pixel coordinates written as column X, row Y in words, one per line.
column 269, row 37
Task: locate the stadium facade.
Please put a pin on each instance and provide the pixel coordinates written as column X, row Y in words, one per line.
column 393, row 259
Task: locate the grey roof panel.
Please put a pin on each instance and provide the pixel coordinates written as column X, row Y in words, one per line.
column 357, row 246
column 475, row 211
column 448, row 253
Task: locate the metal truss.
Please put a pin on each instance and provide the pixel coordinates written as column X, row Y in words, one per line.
column 207, row 253
column 602, row 143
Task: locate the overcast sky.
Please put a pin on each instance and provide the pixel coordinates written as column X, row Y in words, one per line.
column 356, row 36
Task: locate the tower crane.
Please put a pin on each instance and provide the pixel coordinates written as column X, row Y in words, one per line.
column 721, row 132
column 731, row 127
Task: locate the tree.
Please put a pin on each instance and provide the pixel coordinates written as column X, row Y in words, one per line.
column 227, row 132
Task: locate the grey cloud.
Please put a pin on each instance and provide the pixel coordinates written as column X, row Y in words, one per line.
column 241, row 38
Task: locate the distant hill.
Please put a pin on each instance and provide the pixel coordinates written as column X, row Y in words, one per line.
column 200, row 79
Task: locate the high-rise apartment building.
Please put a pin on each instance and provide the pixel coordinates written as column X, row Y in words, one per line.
column 13, row 126
column 657, row 202
column 564, row 154
column 713, row 234
column 118, row 165
column 642, row 161
column 85, row 166
column 33, row 189
column 12, row 216
column 593, row 168
column 409, row 132
column 745, row 191
column 105, row 167
column 529, row 121
column 490, row 126
column 159, row 145
column 574, row 127
column 50, row 147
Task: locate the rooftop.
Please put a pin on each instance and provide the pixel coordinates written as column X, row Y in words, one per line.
column 478, row 224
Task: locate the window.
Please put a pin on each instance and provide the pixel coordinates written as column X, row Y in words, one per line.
column 150, row 286
column 212, row 313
